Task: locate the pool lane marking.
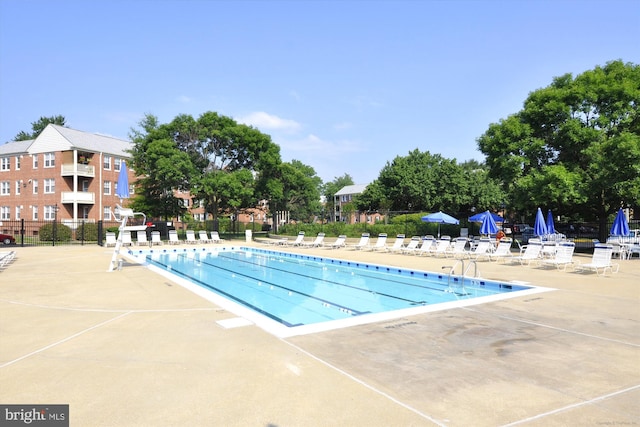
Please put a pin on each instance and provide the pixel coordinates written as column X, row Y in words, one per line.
column 366, row 385
column 77, row 334
column 226, row 294
column 308, row 277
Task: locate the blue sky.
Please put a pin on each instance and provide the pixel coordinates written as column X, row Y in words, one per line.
column 342, row 86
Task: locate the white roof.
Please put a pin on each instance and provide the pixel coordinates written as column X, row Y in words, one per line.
column 59, row 138
column 16, row 147
column 352, row 189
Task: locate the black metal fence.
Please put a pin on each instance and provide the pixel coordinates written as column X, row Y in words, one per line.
column 50, row 233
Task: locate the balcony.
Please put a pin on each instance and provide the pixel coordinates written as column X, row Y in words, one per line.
column 83, row 197
column 80, row 170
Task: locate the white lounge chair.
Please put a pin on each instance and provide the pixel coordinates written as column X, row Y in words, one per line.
column 363, row 243
column 412, row 246
column 126, row 238
column 397, row 244
column 319, row 241
column 173, row 237
column 155, row 238
column 141, row 238
column 442, row 247
column 190, row 237
column 110, row 239
column 482, row 249
column 299, row 240
column 203, row 237
column 503, row 251
column 601, row 260
column 340, row 242
column 563, row 256
column 215, row 237
column 381, row 243
column 426, row 247
column 529, row 252
column 458, row 250
column 6, row 258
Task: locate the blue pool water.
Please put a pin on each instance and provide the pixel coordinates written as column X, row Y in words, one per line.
column 296, row 289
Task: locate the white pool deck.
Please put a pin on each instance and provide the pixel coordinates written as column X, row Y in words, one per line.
column 134, row 348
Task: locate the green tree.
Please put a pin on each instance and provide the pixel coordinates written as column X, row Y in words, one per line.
column 211, row 156
column 330, row 189
column 574, row 147
column 38, row 126
column 301, row 190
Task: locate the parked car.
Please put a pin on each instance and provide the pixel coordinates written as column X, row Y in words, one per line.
column 515, row 228
column 527, row 233
column 7, row 239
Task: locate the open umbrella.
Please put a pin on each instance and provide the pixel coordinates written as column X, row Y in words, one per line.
column 122, row 189
column 440, row 218
column 488, row 224
column 620, row 225
column 551, row 229
column 540, row 227
column 479, row 217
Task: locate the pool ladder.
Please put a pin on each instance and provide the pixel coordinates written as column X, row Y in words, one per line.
column 459, row 288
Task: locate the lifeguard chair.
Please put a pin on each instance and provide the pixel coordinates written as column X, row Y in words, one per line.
column 125, row 215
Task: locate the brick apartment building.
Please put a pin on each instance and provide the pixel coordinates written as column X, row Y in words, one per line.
column 63, row 174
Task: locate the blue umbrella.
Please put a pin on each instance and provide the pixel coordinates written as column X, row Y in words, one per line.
column 620, row 225
column 488, row 224
column 540, row 227
column 480, row 217
column 440, row 218
column 122, row 189
column 551, row 229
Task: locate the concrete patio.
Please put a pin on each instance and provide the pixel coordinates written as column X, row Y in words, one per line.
column 132, row 348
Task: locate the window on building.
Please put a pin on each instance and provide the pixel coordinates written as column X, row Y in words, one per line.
column 49, row 186
column 49, row 213
column 5, row 188
column 18, row 212
column 35, row 186
column 107, row 188
column 85, row 212
column 106, row 163
column 18, row 161
column 18, row 187
column 34, row 214
column 5, row 212
column 5, row 163
column 35, row 161
column 106, row 213
column 85, row 186
column 49, row 160
column 116, row 164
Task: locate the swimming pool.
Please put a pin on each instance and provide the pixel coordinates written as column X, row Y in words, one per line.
column 291, row 294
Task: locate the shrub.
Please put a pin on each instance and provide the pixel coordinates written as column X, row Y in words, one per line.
column 63, row 233
column 87, row 231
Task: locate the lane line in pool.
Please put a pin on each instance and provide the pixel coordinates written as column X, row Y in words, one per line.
column 325, row 280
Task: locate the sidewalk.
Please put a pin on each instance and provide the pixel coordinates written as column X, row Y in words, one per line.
column 131, row 348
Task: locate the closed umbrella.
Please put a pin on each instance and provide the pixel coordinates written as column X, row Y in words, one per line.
column 540, row 227
column 479, row 217
column 620, row 225
column 488, row 225
column 122, row 189
column 551, row 229
column 440, row 218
